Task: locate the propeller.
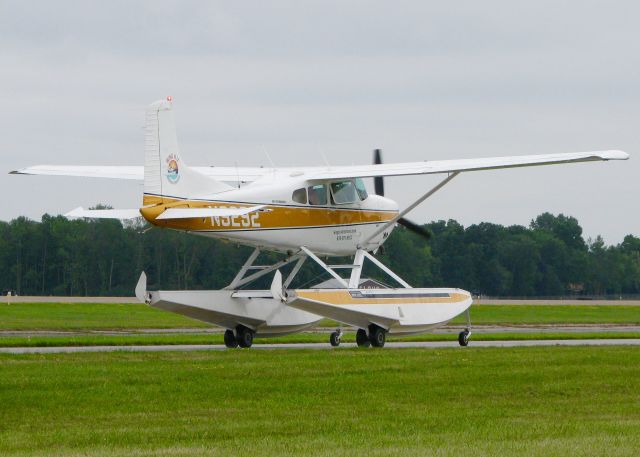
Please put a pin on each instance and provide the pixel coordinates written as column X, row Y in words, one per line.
column 378, row 185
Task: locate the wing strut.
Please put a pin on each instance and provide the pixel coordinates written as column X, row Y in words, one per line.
column 325, row 266
column 402, row 213
column 240, row 280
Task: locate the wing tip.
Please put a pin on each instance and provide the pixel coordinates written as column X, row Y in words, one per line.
column 615, row 154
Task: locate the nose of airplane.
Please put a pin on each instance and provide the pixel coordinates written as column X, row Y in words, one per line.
column 377, row 202
column 378, row 233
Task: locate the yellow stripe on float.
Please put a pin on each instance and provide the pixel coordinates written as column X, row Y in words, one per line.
column 344, row 298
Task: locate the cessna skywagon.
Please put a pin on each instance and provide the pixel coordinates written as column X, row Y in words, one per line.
column 304, row 212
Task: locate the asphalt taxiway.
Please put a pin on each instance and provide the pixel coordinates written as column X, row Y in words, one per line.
column 392, row 345
column 447, row 329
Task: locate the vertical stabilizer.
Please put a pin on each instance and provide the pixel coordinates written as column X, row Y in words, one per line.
column 165, row 173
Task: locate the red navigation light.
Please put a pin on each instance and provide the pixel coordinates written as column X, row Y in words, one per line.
column 169, row 98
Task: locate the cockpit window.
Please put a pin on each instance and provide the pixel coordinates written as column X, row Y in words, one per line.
column 362, row 191
column 317, row 194
column 300, row 196
column 344, row 192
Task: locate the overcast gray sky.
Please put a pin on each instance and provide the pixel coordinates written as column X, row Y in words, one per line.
column 421, row 80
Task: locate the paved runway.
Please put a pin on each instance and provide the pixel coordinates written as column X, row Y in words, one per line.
column 447, row 329
column 480, row 301
column 393, row 345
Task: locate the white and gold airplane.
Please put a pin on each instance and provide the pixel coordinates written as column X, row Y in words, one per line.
column 303, row 212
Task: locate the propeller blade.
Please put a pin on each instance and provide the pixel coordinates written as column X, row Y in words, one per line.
column 377, row 156
column 378, row 183
column 415, row 228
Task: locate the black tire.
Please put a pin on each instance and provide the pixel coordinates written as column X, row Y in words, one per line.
column 245, row 337
column 230, row 340
column 377, row 336
column 463, row 338
column 334, row 339
column 362, row 339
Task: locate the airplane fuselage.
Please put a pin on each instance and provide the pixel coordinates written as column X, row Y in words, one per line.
column 295, row 213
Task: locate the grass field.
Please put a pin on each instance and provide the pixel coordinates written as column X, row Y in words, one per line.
column 85, row 316
column 523, row 401
column 88, row 316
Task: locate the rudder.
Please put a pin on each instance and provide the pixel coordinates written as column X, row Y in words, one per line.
column 165, row 173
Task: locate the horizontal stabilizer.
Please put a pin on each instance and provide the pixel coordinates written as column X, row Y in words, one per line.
column 104, row 213
column 189, row 213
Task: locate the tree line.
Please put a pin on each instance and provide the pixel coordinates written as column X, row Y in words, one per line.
column 550, row 257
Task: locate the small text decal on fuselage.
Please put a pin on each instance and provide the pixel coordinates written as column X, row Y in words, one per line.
column 344, row 234
column 251, row 220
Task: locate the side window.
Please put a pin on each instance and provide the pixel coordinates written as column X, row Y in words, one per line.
column 362, row 190
column 344, row 192
column 300, row 196
column 317, row 194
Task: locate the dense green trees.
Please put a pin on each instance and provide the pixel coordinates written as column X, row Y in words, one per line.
column 549, row 258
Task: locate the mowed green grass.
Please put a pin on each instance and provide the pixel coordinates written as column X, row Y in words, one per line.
column 88, row 316
column 553, row 314
column 94, row 316
column 574, row 401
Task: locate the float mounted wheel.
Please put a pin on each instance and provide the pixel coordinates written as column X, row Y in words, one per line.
column 230, row 340
column 463, row 338
column 245, row 337
column 362, row 339
column 377, row 335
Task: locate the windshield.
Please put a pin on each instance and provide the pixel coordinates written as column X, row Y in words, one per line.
column 362, row 191
column 344, row 192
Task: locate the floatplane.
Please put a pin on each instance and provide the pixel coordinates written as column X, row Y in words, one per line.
column 306, row 213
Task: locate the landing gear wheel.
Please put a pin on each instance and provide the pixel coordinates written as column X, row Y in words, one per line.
column 362, row 339
column 334, row 339
column 377, row 335
column 245, row 337
column 230, row 340
column 463, row 338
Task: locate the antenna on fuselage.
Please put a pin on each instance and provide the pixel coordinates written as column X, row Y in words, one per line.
column 273, row 165
column 324, row 157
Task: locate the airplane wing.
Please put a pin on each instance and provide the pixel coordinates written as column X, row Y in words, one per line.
column 449, row 166
column 234, row 174
column 104, row 213
column 250, row 174
column 225, row 174
column 189, row 213
column 114, row 172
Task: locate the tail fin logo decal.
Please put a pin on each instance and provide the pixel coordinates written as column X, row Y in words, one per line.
column 173, row 170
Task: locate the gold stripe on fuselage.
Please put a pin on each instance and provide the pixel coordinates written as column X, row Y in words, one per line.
column 339, row 298
column 270, row 217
